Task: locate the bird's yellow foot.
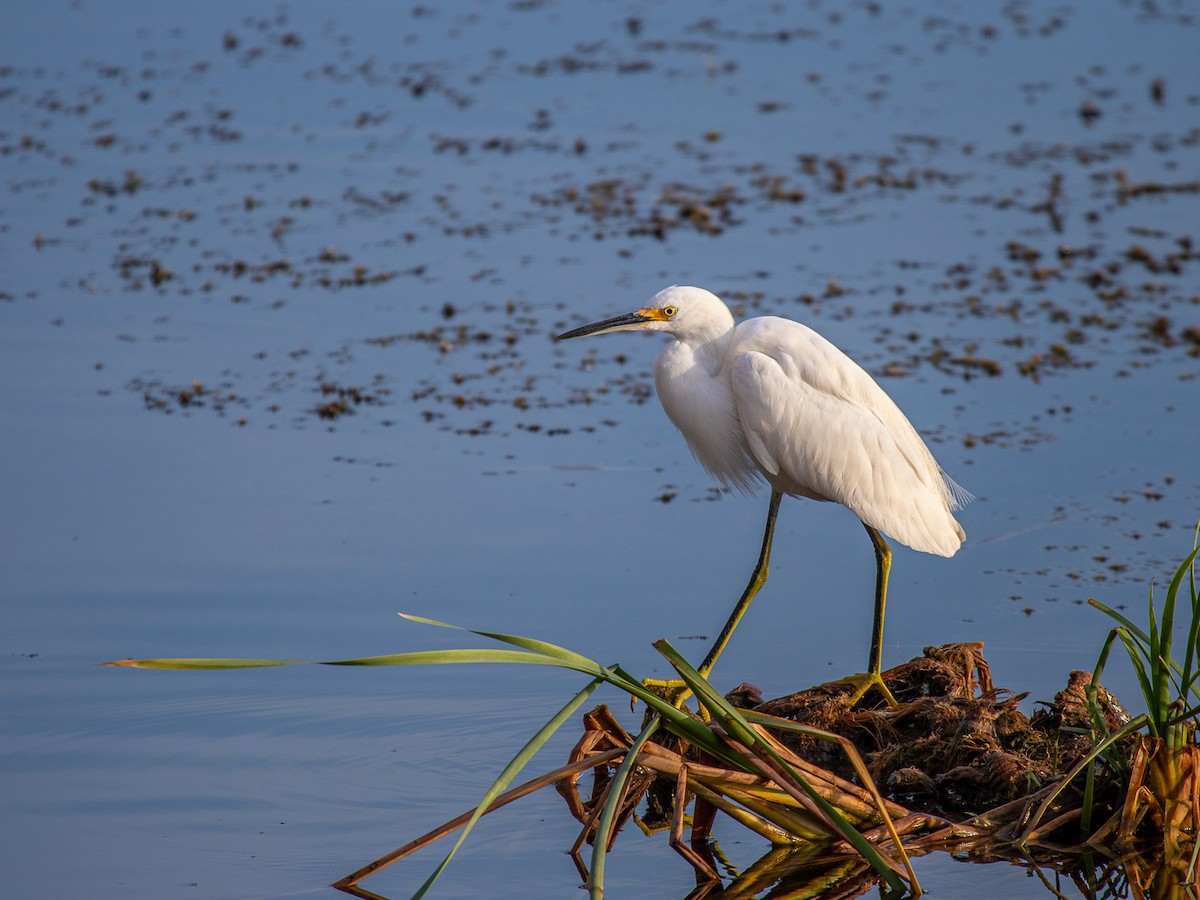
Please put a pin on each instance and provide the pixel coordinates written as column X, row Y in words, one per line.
column 862, row 682
column 672, row 690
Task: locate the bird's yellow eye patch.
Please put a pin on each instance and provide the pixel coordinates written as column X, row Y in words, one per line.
column 659, row 314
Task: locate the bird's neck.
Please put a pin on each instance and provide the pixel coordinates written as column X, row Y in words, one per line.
column 709, row 351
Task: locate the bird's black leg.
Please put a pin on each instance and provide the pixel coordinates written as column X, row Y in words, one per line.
column 883, row 566
column 757, row 579
column 676, row 691
column 864, row 681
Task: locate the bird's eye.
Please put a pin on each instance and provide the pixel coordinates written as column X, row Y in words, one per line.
column 669, row 311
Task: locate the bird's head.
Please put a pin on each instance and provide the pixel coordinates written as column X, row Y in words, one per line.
column 686, row 312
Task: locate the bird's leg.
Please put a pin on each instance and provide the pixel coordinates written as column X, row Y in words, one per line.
column 883, row 568
column 757, row 579
column 864, row 681
column 676, row 690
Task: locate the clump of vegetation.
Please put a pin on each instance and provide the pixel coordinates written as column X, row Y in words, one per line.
column 1162, row 799
column 1108, row 800
column 748, row 773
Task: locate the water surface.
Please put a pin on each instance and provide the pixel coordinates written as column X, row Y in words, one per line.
column 275, row 363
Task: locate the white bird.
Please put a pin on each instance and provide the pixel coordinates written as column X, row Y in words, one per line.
column 770, row 400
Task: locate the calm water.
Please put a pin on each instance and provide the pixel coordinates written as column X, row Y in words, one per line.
column 275, row 363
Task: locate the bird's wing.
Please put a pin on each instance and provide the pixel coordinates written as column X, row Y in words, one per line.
column 820, row 427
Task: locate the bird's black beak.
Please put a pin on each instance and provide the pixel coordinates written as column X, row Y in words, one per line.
column 625, row 322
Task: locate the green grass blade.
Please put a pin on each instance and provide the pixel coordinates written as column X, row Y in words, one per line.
column 1130, row 727
column 1184, row 716
column 740, row 730
column 679, row 722
column 616, row 796
column 415, row 658
column 200, row 663
column 1143, row 678
column 1125, row 623
column 1089, row 794
column 1189, row 675
column 572, row 659
column 1100, row 731
column 1141, row 639
column 779, row 724
column 1176, row 733
column 1102, row 660
column 500, row 785
column 455, row 656
column 1154, row 637
column 1160, row 663
column 1185, row 568
column 706, row 694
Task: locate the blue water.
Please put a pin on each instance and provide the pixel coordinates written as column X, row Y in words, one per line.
column 215, row 220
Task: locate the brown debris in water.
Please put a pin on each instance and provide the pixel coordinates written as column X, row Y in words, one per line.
column 955, row 745
column 954, row 767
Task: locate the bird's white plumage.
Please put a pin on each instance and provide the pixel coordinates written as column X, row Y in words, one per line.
column 771, row 400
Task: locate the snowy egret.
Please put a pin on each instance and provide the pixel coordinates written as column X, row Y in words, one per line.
column 771, row 400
